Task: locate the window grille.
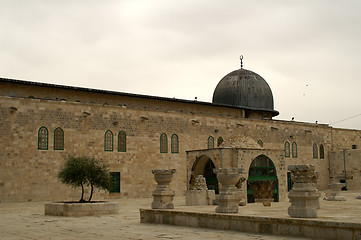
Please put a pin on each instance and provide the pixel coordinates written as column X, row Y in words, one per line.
column 122, row 141
column 43, row 138
column 58, row 139
column 174, row 144
column 108, row 141
column 163, row 143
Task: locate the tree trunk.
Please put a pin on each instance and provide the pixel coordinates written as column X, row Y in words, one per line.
column 91, row 192
column 82, row 193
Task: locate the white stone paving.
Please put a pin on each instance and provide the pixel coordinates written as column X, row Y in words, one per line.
column 27, row 221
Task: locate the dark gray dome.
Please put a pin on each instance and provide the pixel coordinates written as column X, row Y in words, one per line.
column 246, row 89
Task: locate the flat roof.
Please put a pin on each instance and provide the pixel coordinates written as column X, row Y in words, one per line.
column 91, row 90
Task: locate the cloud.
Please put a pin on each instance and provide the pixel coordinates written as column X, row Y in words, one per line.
column 182, row 49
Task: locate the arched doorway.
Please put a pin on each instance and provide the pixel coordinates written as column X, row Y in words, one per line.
column 262, row 168
column 204, row 166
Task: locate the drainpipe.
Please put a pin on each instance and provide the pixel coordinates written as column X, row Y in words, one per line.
column 344, row 167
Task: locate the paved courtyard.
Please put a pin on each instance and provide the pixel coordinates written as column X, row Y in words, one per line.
column 27, row 221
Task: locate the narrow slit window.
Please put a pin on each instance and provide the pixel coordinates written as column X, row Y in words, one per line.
column 294, row 150
column 210, row 142
column 322, row 152
column 315, row 150
column 219, row 141
column 287, row 149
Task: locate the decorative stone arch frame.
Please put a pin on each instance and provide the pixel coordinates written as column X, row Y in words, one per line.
column 246, row 157
column 198, row 159
column 241, row 158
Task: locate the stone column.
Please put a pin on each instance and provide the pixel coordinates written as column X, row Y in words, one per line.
column 263, row 191
column 335, row 192
column 304, row 195
column 229, row 196
column 163, row 195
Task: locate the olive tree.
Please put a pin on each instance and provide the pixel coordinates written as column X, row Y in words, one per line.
column 84, row 171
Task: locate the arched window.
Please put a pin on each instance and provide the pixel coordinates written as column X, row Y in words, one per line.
column 58, row 139
column 43, row 138
column 219, row 141
column 163, row 143
column 315, row 151
column 287, row 149
column 260, row 143
column 174, row 144
column 322, row 152
column 108, row 141
column 294, row 150
column 210, row 142
column 122, row 141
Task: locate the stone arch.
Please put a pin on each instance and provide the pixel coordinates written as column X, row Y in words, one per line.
column 204, row 166
column 262, row 168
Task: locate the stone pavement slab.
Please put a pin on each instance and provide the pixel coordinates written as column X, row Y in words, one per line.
column 27, row 221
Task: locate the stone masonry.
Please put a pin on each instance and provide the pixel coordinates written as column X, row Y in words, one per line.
column 29, row 174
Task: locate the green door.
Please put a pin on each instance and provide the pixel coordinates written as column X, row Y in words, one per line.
column 115, row 182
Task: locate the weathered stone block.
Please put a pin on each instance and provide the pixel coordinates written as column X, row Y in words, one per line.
column 304, row 196
column 196, row 198
column 76, row 209
column 334, row 193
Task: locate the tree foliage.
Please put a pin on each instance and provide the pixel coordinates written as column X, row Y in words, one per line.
column 84, row 171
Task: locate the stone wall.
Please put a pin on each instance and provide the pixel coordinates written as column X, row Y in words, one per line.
column 345, row 139
column 350, row 161
column 29, row 174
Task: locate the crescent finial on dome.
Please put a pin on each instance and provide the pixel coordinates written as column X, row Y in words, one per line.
column 241, row 58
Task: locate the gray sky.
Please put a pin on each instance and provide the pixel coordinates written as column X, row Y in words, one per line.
column 308, row 51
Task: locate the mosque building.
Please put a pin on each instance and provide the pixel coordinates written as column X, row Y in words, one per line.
column 42, row 124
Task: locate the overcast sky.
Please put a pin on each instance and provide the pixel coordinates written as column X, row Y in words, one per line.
column 308, row 51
